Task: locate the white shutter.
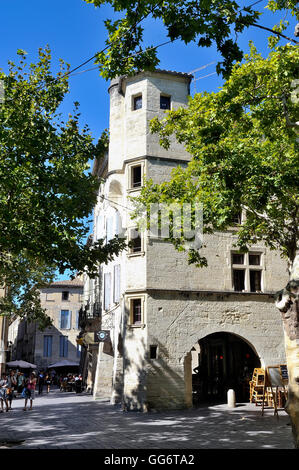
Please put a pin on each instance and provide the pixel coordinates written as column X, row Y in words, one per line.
column 96, row 234
column 69, row 323
column 107, row 290
column 109, row 228
column 100, row 228
column 116, row 293
column 118, row 224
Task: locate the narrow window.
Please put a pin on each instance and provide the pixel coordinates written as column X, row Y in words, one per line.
column 237, row 258
column 136, row 176
column 63, row 346
column 239, row 279
column 255, row 280
column 237, row 218
column 78, row 350
column 107, row 290
column 153, row 351
column 50, row 297
column 136, row 311
column 164, row 102
column 109, row 229
column 65, row 320
column 137, row 102
column 135, row 240
column 65, row 295
column 116, row 291
column 48, row 346
column 77, row 319
column 254, row 259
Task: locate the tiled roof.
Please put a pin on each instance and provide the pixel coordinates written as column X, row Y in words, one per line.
column 117, row 80
column 173, row 72
column 77, row 282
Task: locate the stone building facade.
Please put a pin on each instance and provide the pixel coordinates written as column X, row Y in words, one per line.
column 89, row 325
column 164, row 317
column 62, row 300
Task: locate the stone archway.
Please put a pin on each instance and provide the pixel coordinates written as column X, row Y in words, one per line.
column 224, row 361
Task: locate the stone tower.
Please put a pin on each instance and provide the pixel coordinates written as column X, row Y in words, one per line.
column 159, row 311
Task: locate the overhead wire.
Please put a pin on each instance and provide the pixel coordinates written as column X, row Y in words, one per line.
column 128, row 57
column 116, row 203
column 113, row 42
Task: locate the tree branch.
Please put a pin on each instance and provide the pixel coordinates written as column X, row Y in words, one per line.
column 286, row 114
column 274, row 32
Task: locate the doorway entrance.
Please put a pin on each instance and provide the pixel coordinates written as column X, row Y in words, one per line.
column 222, row 361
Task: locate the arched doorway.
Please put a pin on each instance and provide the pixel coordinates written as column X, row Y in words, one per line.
column 222, row 361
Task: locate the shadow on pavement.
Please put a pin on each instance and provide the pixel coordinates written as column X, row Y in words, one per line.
column 67, row 420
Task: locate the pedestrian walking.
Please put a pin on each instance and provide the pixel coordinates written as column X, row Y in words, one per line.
column 12, row 386
column 78, row 383
column 48, row 382
column 29, row 391
column 20, row 382
column 3, row 392
column 53, row 376
column 41, row 381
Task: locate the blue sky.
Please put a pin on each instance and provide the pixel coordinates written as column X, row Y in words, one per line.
column 75, row 31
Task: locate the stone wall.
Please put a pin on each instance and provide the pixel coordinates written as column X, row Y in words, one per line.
column 177, row 320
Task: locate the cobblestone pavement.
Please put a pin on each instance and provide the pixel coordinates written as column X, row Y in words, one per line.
column 61, row 420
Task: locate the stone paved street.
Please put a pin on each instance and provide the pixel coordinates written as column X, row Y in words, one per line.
column 70, row 421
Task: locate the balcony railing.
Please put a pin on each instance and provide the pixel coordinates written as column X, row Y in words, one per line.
column 89, row 312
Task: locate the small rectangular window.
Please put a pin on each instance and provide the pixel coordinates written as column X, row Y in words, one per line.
column 153, row 351
column 136, row 311
column 107, row 291
column 239, row 279
column 65, row 295
column 50, row 297
column 237, row 218
column 255, row 280
column 135, row 240
column 164, row 102
column 136, row 179
column 48, row 346
column 65, row 319
column 63, row 346
column 237, row 258
column 116, row 290
column 254, row 260
column 137, row 102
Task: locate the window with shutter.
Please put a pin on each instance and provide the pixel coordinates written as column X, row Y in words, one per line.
column 107, row 291
column 48, row 346
column 109, row 228
column 65, row 320
column 116, row 291
column 63, row 346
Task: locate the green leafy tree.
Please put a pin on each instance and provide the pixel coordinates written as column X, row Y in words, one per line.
column 204, row 22
column 243, row 141
column 46, row 190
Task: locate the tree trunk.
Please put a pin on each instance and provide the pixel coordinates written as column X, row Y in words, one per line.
column 288, row 304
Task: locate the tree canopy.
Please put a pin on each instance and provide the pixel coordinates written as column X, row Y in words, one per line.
column 46, row 190
column 204, row 22
column 244, row 147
